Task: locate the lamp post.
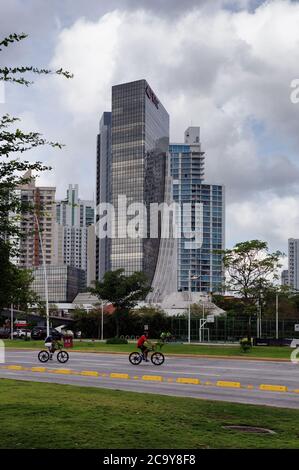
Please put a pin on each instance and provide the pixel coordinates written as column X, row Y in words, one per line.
column 45, row 275
column 276, row 315
column 11, row 321
column 102, row 321
column 189, row 308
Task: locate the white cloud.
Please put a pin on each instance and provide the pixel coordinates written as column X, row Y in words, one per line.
column 269, row 218
column 223, row 70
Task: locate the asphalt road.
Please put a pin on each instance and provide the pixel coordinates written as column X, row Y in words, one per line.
column 164, row 379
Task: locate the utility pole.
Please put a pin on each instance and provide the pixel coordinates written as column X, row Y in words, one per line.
column 189, row 307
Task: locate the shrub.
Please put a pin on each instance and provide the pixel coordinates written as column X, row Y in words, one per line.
column 116, row 340
column 245, row 344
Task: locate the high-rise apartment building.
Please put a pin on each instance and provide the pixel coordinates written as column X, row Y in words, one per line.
column 74, row 216
column 285, row 277
column 293, row 255
column 41, row 219
column 203, row 264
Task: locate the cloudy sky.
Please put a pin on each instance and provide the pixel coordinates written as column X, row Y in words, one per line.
column 224, row 65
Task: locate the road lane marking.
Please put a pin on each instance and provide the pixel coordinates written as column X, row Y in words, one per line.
column 273, row 388
column 38, row 369
column 157, row 378
column 115, row 375
column 187, row 380
column 153, row 378
column 225, row 383
column 90, row 373
column 62, row 371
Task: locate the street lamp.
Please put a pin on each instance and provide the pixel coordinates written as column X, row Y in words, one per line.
column 276, row 314
column 45, row 275
column 11, row 321
column 189, row 308
column 102, row 322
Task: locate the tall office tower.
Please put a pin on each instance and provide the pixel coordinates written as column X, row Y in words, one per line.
column 140, row 139
column 293, row 252
column 73, row 217
column 103, row 190
column 187, row 170
column 285, row 277
column 43, row 219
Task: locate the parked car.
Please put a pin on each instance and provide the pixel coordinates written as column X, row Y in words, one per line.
column 4, row 333
column 21, row 334
column 40, row 332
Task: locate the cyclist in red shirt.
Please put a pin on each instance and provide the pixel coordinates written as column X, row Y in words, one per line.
column 142, row 346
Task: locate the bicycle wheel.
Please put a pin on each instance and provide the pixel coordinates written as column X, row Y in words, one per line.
column 43, row 356
column 62, row 356
column 157, row 358
column 135, row 358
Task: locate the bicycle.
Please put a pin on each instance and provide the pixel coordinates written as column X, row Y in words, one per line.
column 62, row 356
column 157, row 358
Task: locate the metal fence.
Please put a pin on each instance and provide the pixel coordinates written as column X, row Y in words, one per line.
column 231, row 330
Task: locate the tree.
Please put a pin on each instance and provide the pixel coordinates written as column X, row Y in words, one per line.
column 154, row 317
column 288, row 303
column 21, row 292
column 233, row 306
column 89, row 322
column 122, row 291
column 197, row 310
column 13, row 144
column 15, row 286
column 251, row 271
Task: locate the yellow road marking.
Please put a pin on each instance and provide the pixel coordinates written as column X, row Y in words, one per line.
column 15, row 367
column 115, row 375
column 223, row 383
column 62, row 371
column 273, row 388
column 38, row 369
column 187, row 380
column 157, row 378
column 90, row 373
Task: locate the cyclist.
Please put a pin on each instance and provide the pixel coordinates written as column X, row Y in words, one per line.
column 52, row 345
column 165, row 336
column 141, row 344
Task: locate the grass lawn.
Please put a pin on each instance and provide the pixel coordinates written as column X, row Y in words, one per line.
column 196, row 349
column 39, row 415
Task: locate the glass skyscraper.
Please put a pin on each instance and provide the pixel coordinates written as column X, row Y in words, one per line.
column 140, row 140
column 187, row 170
column 104, row 157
